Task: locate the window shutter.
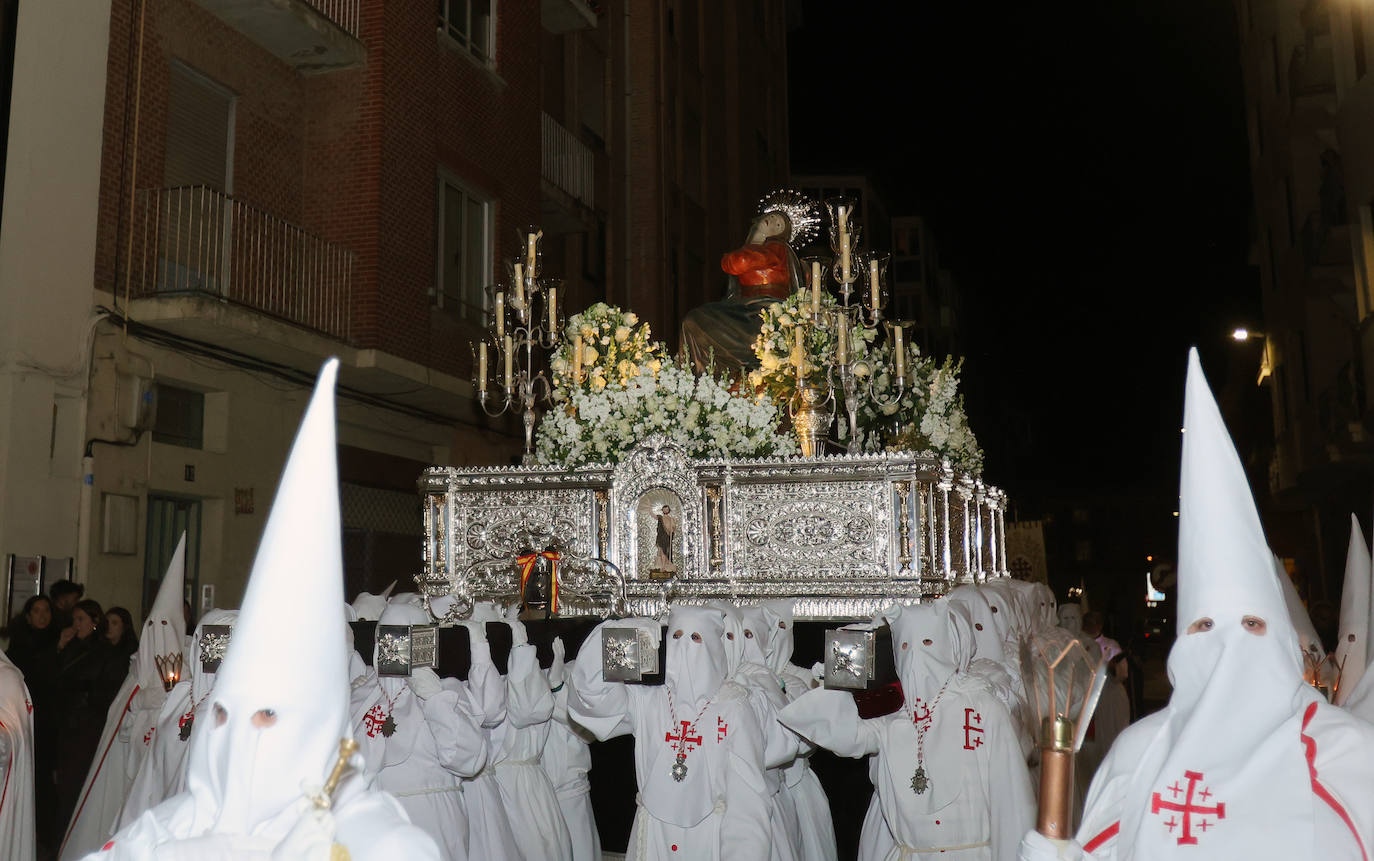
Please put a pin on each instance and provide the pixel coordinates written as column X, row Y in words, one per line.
column 197, row 131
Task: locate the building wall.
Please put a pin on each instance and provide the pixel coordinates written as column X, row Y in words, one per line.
column 47, row 254
column 1311, row 165
column 693, row 131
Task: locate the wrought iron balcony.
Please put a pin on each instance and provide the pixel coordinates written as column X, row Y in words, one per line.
column 194, row 240
column 567, row 163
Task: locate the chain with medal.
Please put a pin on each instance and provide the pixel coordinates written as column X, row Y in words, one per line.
column 187, row 720
column 389, row 725
column 920, row 781
column 686, row 737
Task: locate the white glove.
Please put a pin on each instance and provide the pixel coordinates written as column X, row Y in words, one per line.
column 558, row 670
column 518, row 635
column 477, row 631
column 310, row 839
column 425, row 682
column 1037, row 847
column 818, row 671
column 485, row 611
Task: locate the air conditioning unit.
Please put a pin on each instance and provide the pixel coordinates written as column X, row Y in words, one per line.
column 136, row 402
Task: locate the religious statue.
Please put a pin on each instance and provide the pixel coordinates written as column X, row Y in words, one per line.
column 663, row 539
column 762, row 271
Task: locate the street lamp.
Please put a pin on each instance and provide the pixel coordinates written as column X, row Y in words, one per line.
column 1240, row 334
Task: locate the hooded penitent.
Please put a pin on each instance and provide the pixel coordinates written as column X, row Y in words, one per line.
column 17, row 839
column 1313, row 654
column 368, row 607
column 163, row 772
column 269, row 735
column 280, row 704
column 1352, row 644
column 130, row 724
column 696, row 662
column 1230, row 737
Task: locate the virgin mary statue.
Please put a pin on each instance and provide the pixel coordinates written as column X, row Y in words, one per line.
column 762, row 271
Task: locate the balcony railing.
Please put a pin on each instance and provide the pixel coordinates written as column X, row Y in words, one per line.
column 341, row 12
column 195, row 240
column 567, row 163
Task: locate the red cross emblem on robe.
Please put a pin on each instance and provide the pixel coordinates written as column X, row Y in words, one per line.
column 373, row 720
column 1193, row 804
column 721, row 729
column 973, row 729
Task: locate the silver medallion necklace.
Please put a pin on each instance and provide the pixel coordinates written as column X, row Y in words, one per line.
column 920, row 781
column 682, row 736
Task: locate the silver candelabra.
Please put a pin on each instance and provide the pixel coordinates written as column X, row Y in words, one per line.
column 525, row 316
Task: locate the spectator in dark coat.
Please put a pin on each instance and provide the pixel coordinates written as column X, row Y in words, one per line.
column 86, row 675
column 120, row 633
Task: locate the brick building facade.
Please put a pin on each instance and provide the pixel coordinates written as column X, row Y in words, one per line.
column 280, row 181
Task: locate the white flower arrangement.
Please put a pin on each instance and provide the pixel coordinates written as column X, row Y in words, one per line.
column 616, row 348
column 628, row 390
column 929, row 416
column 697, row 411
column 776, row 346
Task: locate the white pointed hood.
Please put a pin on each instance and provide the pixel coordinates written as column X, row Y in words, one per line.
column 931, row 642
column 1234, row 717
column 988, row 630
column 162, row 642
column 280, row 702
column 780, row 641
column 1351, row 655
column 1313, row 654
column 368, row 607
column 696, row 657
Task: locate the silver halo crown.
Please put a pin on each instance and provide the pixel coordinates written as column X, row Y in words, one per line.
column 804, row 213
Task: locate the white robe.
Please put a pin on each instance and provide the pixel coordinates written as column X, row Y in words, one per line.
column 16, row 765
column 490, row 835
column 527, row 792
column 1335, row 794
column 816, row 830
column 781, row 748
column 436, row 742
column 719, row 811
column 370, row 825
column 566, row 760
column 130, row 725
column 979, row 803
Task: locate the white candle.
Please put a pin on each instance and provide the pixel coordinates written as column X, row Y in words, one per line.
column 577, row 360
column 553, row 310
column 510, row 362
column 899, row 349
column 530, row 248
column 842, row 344
column 519, row 299
column 482, row 367
column 843, row 212
column 873, row 283
column 815, row 286
column 844, row 258
column 800, row 346
column 500, row 314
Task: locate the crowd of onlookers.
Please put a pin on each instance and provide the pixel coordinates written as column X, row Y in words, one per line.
column 74, row 656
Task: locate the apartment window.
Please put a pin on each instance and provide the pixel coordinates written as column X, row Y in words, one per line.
column 470, row 23
column 464, row 232
column 591, row 83
column 1357, row 37
column 180, row 416
column 200, row 128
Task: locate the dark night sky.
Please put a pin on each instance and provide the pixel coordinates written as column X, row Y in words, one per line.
column 1085, row 167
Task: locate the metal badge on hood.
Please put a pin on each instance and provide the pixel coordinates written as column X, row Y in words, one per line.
column 214, row 642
